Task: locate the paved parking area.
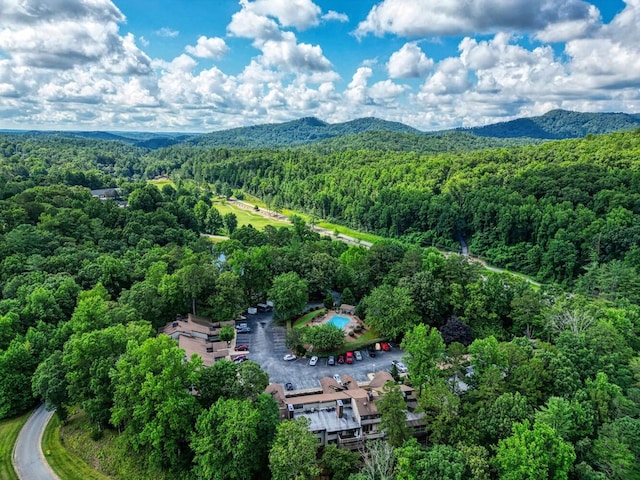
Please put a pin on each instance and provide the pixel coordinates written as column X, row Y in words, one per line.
column 267, row 347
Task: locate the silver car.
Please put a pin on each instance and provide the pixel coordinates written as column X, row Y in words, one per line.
column 313, row 361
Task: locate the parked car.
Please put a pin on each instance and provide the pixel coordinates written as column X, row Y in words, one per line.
column 239, row 358
column 385, row 346
column 331, row 360
column 358, row 355
column 340, row 358
column 289, row 357
column 242, row 347
column 372, row 351
column 337, row 378
column 378, row 347
column 289, row 386
column 313, row 361
column 240, row 326
column 244, row 330
column 402, row 368
column 349, row 358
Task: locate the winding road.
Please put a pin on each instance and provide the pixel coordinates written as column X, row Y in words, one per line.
column 28, row 459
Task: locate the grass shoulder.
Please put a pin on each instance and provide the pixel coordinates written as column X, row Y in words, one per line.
column 74, row 453
column 9, row 430
column 66, row 465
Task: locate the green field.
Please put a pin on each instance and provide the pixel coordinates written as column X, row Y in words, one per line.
column 246, row 217
column 161, row 182
column 9, row 430
column 66, row 465
column 365, row 237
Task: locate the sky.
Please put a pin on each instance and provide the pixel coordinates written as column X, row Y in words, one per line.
column 205, row 65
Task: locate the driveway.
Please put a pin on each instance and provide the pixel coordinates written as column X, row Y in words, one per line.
column 267, row 347
column 28, row 459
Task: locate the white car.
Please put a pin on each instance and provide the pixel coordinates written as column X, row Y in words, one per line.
column 337, row 378
column 313, row 361
column 289, row 356
column 402, row 368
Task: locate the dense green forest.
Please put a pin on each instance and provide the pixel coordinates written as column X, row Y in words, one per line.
column 564, row 211
column 555, row 385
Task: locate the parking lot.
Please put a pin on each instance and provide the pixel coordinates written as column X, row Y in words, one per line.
column 267, row 348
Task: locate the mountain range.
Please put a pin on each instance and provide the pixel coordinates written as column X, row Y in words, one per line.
column 374, row 133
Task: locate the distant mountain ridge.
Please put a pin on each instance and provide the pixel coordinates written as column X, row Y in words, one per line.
column 296, row 132
column 361, row 133
column 559, row 124
column 553, row 125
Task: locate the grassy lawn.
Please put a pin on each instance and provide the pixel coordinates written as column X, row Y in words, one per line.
column 303, row 320
column 66, row 465
column 9, row 430
column 246, row 217
column 366, row 237
column 161, row 182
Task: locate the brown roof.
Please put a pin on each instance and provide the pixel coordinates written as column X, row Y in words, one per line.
column 276, row 391
column 198, row 347
column 366, row 406
column 380, row 378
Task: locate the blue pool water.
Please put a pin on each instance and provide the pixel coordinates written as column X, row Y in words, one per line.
column 338, row 321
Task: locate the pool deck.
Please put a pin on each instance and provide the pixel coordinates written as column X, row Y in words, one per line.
column 353, row 320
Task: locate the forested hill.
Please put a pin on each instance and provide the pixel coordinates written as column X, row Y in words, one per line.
column 375, row 134
column 421, row 143
column 549, row 210
column 296, row 132
column 559, row 124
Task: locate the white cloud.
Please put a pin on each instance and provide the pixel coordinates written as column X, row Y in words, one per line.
column 450, row 77
column 566, row 30
column 409, row 62
column 247, row 24
column 458, row 17
column 167, row 32
column 292, row 56
column 357, row 91
column 300, row 14
column 336, row 16
column 386, row 91
column 214, row 47
column 66, row 64
column 61, row 34
column 610, row 59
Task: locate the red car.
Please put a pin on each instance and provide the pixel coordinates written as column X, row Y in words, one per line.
column 239, row 358
column 385, row 346
column 242, row 348
column 349, row 358
column 341, row 359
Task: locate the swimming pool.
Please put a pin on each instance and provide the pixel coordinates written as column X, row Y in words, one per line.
column 339, row 321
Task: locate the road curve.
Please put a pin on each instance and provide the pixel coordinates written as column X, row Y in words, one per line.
column 28, row 460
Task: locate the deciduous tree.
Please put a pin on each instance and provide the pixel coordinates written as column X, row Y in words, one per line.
column 289, row 295
column 293, row 454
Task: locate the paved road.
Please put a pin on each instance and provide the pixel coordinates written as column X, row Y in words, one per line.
column 267, row 347
column 28, row 459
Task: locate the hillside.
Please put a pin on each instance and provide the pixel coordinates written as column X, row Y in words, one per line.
column 421, row 143
column 559, row 124
column 376, row 134
column 296, row 132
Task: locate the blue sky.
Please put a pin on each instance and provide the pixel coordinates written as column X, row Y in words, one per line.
column 202, row 65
